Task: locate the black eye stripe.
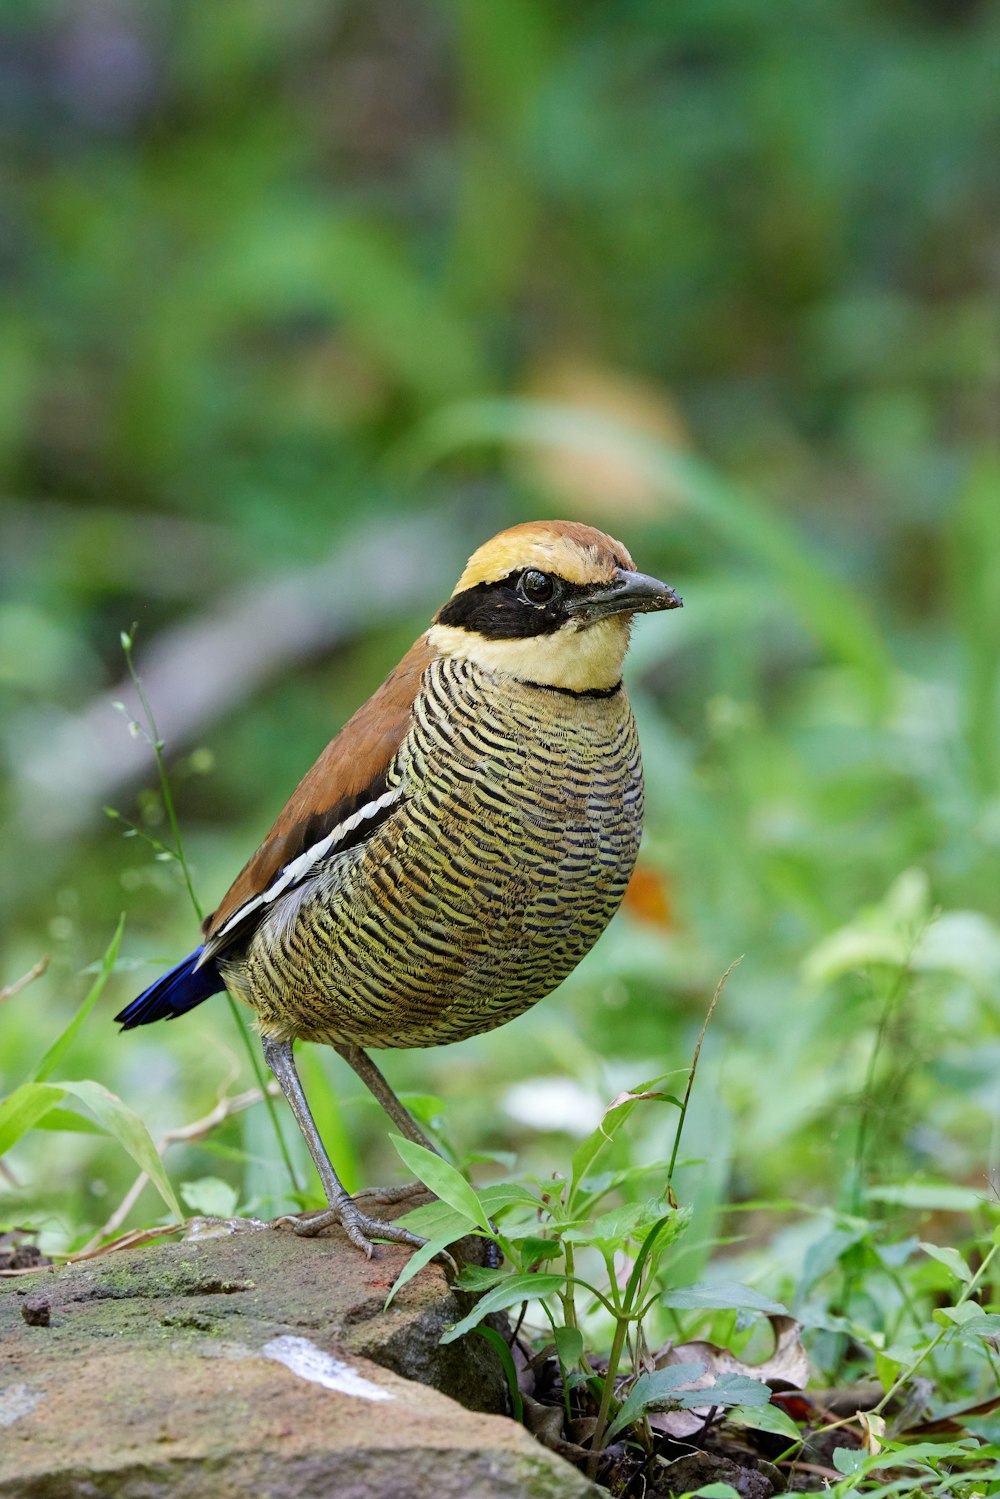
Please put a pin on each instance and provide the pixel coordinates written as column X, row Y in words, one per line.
column 501, row 611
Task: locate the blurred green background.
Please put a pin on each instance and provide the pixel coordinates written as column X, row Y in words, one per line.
column 298, row 304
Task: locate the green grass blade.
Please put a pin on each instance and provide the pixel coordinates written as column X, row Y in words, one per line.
column 130, row 1132
column 23, row 1109
column 61, row 1045
column 443, row 1180
column 512, row 1290
column 504, row 1354
column 418, row 1259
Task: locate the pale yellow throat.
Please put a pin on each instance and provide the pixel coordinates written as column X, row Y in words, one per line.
column 580, row 660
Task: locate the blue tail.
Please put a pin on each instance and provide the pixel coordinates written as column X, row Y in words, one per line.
column 174, row 993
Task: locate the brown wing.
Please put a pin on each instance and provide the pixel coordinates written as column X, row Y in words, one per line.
column 348, row 774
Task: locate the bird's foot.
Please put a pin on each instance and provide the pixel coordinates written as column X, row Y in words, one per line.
column 358, row 1227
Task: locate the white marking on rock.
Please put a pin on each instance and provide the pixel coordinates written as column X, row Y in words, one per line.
column 310, row 1362
column 17, row 1401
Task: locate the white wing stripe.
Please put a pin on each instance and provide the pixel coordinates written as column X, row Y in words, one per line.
column 300, row 866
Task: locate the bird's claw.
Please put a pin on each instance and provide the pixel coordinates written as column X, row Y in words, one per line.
column 358, row 1227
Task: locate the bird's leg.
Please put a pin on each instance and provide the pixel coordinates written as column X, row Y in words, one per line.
column 360, row 1229
column 383, row 1094
column 401, row 1117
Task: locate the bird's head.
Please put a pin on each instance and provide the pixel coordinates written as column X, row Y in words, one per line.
column 549, row 602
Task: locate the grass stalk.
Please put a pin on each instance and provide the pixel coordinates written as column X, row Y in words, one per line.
column 668, row 1190
column 177, row 852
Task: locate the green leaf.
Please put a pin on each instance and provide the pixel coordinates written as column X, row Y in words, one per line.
column 534, row 1250
column 211, row 1196
column 418, row 1259
column 887, row 1370
column 985, row 1326
column 722, row 1295
column 940, row 1197
column 424, row 1106
column 433, row 1220
column 586, row 1153
column 847, row 1460
column 503, row 1352
column 951, row 1259
column 716, row 1491
column 512, row 1290
column 765, row 1418
column 500, row 1195
column 618, row 1225
column 569, row 1346
column 130, row 1132
column 658, row 1388
column 955, row 1316
column 61, row 1045
column 443, row 1180
column 70, row 1121
column 477, row 1278
column 728, row 1389
column 23, row 1109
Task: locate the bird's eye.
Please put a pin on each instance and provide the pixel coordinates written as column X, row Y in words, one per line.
column 536, row 587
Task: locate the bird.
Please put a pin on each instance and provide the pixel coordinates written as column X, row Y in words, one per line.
column 457, row 848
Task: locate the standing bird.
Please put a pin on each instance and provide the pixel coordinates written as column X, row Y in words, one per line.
column 458, row 847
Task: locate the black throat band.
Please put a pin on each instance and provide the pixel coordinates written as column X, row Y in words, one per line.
column 576, row 692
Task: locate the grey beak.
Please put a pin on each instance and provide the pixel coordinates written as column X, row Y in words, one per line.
column 627, row 593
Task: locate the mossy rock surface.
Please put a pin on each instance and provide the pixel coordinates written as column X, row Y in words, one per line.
column 253, row 1362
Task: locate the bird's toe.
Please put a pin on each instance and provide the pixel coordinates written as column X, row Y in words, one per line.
column 359, row 1228
column 401, row 1193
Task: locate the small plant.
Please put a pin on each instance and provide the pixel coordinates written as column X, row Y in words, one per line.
column 39, row 1102
column 576, row 1259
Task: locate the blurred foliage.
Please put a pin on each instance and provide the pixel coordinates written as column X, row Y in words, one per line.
column 279, row 280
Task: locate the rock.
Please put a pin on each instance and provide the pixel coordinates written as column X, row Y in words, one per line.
column 701, row 1468
column 254, row 1362
column 36, row 1310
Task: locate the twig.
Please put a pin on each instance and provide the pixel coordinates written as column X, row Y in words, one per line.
column 223, row 1110
column 131, row 1240
column 9, row 990
column 816, row 1468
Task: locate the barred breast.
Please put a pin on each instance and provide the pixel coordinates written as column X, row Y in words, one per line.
column 505, row 857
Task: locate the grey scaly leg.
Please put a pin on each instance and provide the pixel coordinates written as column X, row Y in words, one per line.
column 360, row 1229
column 383, row 1094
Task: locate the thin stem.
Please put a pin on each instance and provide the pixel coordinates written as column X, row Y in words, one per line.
column 866, row 1114
column 867, row 1109
column 607, row 1393
column 35, row 972
column 932, row 1345
column 156, row 744
column 925, row 1354
column 668, row 1190
column 566, row 1297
